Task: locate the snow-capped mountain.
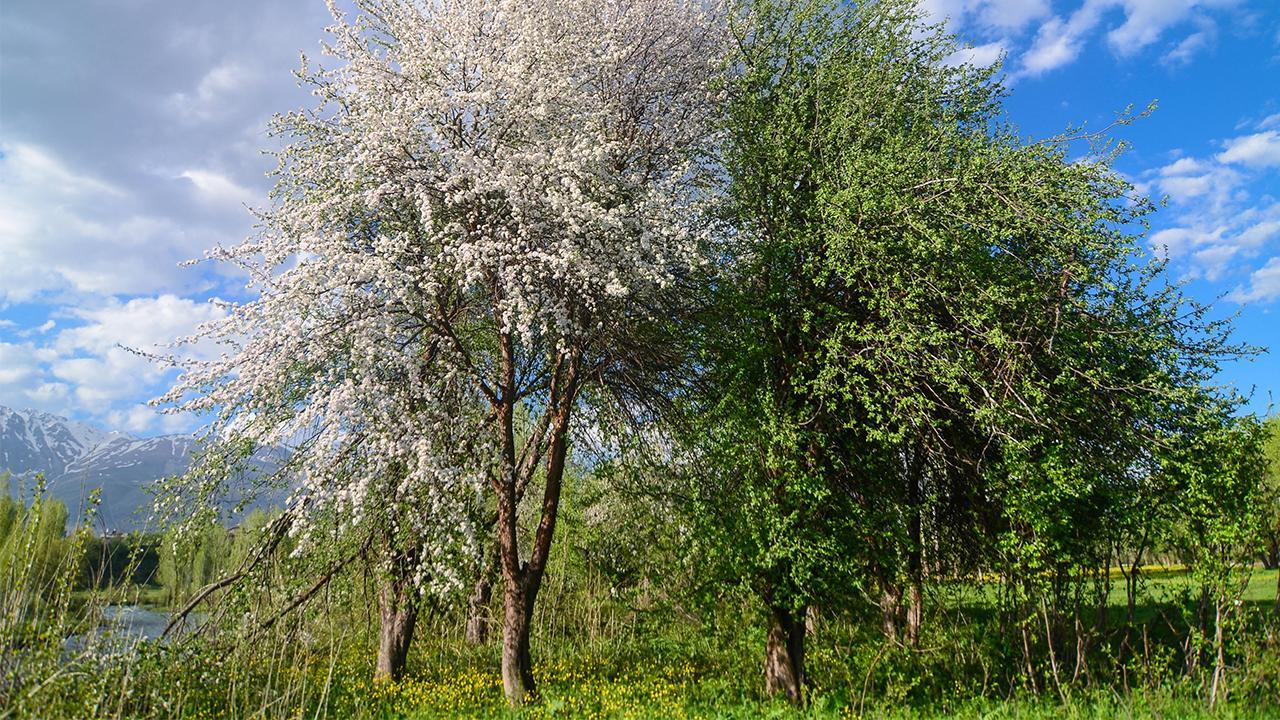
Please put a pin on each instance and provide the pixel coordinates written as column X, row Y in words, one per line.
column 76, row 458
column 32, row 441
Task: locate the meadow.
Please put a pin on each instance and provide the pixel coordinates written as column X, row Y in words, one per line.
column 640, row 653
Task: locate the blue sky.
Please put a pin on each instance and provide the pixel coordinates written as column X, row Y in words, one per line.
column 131, row 138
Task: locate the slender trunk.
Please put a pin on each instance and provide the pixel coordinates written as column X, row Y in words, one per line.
column 1105, row 597
column 915, row 565
column 1131, row 581
column 398, row 612
column 478, row 609
column 1271, row 555
column 517, row 671
column 784, row 655
column 915, row 613
column 1220, row 660
column 890, row 605
column 1278, row 593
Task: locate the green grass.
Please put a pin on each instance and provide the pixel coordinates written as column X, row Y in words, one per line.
column 664, row 665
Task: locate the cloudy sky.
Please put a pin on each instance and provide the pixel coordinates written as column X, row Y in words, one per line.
column 132, row 136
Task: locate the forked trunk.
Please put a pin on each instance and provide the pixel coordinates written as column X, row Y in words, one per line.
column 521, row 580
column 784, row 655
column 398, row 612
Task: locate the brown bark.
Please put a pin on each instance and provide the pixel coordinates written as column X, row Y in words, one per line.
column 478, row 610
column 890, row 605
column 784, row 655
column 517, row 664
column 398, row 612
column 915, row 613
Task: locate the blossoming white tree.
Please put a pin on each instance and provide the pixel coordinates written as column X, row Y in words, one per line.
column 488, row 214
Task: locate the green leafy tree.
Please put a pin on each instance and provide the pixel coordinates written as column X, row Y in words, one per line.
column 923, row 323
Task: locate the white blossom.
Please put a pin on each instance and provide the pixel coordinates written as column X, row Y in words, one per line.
column 474, row 167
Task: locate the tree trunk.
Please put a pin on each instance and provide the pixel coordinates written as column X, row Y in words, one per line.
column 517, row 663
column 915, row 564
column 1219, row 656
column 478, row 609
column 915, row 613
column 398, row 611
column 1271, row 553
column 784, row 655
column 890, row 604
column 915, row 546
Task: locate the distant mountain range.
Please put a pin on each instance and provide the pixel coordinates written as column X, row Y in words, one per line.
column 76, row 458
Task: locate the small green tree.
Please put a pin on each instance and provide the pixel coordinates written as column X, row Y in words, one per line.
column 1271, row 489
column 1218, row 471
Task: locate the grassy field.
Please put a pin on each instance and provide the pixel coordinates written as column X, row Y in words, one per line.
column 687, row 671
column 600, row 657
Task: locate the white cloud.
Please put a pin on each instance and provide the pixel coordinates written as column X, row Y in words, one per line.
column 65, row 230
column 943, row 10
column 213, row 94
column 29, row 164
column 1263, row 285
column 1190, row 46
column 1059, row 42
column 1221, row 222
column 1054, row 46
column 1144, row 22
column 136, row 419
column 90, row 369
column 1257, row 150
column 1000, row 15
column 1179, row 241
column 1189, row 179
column 24, row 378
column 1212, row 262
column 218, row 189
column 140, row 322
column 980, row 55
column 1269, row 121
column 17, row 364
column 1012, row 15
column 49, row 394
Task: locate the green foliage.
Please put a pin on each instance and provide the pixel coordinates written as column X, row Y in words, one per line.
column 33, row 548
column 194, row 559
column 1270, row 500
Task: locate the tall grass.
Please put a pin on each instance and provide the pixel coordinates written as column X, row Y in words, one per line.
column 602, row 649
